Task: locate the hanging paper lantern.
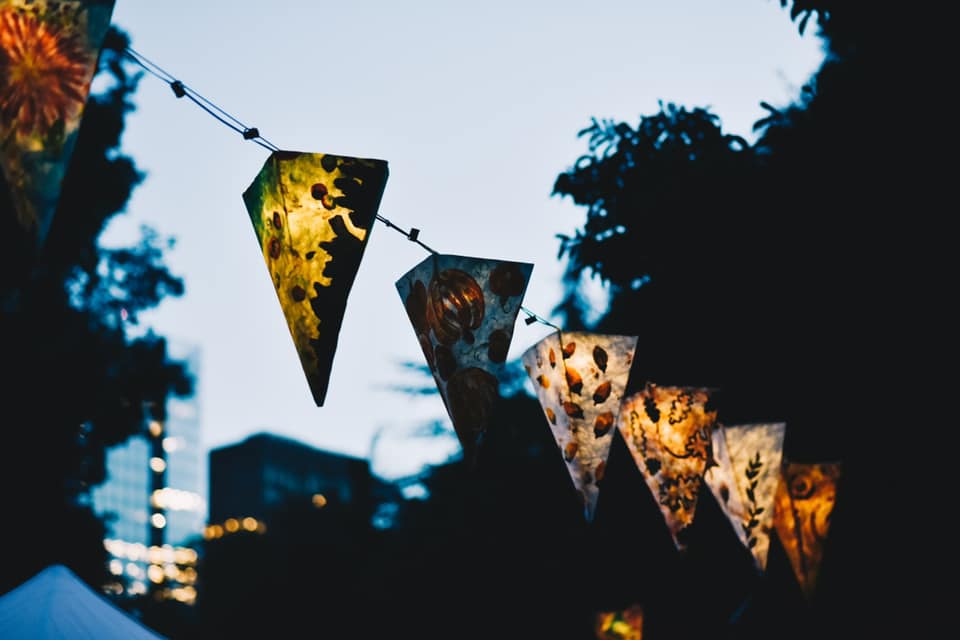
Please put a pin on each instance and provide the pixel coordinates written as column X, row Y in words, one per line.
column 312, row 214
column 806, row 495
column 626, row 624
column 48, row 55
column 579, row 379
column 463, row 311
column 668, row 432
column 745, row 478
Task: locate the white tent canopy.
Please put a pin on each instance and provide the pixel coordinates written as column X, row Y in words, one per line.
column 56, row 605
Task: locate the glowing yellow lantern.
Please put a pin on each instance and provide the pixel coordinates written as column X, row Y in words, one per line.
column 48, row 55
column 806, row 496
column 668, row 431
column 745, row 478
column 312, row 214
column 463, row 310
column 579, row 379
column 620, row 625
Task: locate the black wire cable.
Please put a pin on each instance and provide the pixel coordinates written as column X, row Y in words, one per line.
column 181, row 90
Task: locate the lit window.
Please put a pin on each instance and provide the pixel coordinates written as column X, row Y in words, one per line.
column 155, row 428
column 319, row 500
column 172, row 444
column 231, row 525
column 116, row 567
column 158, row 464
column 250, row 524
column 158, row 521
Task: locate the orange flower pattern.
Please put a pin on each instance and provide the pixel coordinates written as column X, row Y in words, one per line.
column 48, row 55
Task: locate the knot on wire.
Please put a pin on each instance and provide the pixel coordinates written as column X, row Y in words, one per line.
column 251, row 133
column 178, row 89
column 530, row 320
column 413, row 235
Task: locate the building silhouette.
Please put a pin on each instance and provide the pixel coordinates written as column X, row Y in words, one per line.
column 252, row 481
column 153, row 500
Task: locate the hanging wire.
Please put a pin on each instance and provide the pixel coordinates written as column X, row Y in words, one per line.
column 181, row 90
column 414, row 236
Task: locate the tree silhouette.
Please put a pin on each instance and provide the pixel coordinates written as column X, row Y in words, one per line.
column 74, row 382
column 765, row 271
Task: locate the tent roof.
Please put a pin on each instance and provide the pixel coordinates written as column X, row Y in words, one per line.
column 56, row 605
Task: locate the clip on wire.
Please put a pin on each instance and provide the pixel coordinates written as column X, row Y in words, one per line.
column 251, row 133
column 178, row 89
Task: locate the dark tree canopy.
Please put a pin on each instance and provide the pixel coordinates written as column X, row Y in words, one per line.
column 74, row 382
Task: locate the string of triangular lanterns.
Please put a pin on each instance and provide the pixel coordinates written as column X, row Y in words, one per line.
column 312, row 214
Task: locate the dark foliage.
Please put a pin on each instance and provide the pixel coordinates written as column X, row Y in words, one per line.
column 74, row 383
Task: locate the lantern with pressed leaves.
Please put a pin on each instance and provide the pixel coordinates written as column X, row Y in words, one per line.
column 745, row 478
column 668, row 432
column 579, row 379
column 48, row 55
column 463, row 311
column 312, row 214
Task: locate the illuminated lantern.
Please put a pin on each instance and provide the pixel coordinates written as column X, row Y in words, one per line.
column 806, row 495
column 48, row 55
column 579, row 379
column 620, row 625
column 668, row 432
column 745, row 478
column 312, row 214
column 463, row 311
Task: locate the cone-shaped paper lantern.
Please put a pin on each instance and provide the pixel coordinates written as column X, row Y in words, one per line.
column 668, row 431
column 620, row 625
column 48, row 55
column 579, row 379
column 463, row 311
column 806, row 495
column 745, row 478
column 312, row 214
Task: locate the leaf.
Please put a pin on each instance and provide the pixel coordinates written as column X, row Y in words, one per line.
column 601, row 393
column 751, row 474
column 573, row 410
column 600, row 357
column 750, row 496
column 758, row 511
column 752, row 543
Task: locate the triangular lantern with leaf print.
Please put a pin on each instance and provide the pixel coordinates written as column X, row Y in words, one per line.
column 579, row 379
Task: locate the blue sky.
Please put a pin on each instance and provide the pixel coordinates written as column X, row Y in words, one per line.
column 475, row 106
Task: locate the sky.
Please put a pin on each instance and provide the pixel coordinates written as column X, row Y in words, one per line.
column 476, row 108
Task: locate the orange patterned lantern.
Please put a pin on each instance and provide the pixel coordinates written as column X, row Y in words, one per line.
column 806, row 496
column 463, row 311
column 668, row 431
column 579, row 379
